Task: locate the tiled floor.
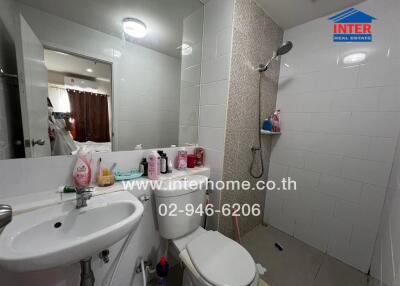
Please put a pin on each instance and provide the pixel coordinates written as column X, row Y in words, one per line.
column 298, row 264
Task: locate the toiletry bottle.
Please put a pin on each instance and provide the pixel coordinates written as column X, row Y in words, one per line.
column 162, row 269
column 99, row 168
column 267, row 125
column 276, row 125
column 170, row 167
column 82, row 173
column 160, row 153
column 181, row 159
column 106, row 178
column 143, row 167
column 191, row 161
column 154, row 165
column 164, row 163
column 200, row 156
column 138, row 147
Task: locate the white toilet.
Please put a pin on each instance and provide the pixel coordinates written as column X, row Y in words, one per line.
column 211, row 259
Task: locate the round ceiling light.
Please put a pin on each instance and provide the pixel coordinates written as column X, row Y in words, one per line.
column 354, row 58
column 186, row 49
column 134, row 27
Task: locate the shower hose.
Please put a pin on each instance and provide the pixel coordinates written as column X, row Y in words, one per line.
column 255, row 150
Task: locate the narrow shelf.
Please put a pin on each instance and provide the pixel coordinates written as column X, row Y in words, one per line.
column 265, row 132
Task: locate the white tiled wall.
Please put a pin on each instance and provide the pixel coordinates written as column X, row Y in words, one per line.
column 386, row 258
column 340, row 127
column 215, row 81
column 190, row 78
column 145, row 82
column 214, row 89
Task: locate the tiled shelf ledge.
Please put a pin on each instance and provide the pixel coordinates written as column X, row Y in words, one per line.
column 27, row 203
column 264, row 132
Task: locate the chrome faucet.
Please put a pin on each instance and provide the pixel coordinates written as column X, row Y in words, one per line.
column 5, row 215
column 82, row 195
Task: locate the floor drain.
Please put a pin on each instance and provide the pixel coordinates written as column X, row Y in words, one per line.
column 279, row 246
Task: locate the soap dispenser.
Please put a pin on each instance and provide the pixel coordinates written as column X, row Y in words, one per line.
column 143, row 167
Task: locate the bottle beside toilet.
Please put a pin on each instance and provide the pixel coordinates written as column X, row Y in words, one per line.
column 154, row 166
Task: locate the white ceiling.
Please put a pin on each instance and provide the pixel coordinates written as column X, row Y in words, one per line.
column 290, row 13
column 69, row 64
column 162, row 17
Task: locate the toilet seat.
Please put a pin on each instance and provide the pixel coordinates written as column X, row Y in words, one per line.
column 220, row 260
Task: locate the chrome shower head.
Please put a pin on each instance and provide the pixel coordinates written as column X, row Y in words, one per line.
column 284, row 49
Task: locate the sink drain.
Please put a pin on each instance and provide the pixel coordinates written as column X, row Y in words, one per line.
column 57, row 224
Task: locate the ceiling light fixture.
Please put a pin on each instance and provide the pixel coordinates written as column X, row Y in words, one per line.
column 186, row 49
column 117, row 54
column 354, row 58
column 89, row 70
column 134, row 27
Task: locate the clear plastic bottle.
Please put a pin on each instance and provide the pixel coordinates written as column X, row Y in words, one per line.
column 181, row 159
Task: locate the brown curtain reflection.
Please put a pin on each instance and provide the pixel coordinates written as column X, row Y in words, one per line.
column 90, row 112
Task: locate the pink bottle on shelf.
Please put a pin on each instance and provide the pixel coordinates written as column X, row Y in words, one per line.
column 276, row 121
column 154, row 166
column 181, row 159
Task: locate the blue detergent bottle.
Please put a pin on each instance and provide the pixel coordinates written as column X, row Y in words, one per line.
column 267, row 125
column 162, row 271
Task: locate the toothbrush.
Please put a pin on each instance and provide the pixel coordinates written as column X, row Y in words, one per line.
column 98, row 171
column 113, row 167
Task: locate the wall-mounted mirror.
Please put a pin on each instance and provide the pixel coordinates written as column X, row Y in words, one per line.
column 98, row 76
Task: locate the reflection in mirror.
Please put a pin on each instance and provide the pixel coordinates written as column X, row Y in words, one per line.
column 96, row 75
column 79, row 103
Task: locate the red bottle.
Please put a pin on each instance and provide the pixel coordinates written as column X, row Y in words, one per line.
column 191, row 161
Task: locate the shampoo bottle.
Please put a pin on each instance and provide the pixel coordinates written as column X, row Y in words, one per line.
column 154, row 166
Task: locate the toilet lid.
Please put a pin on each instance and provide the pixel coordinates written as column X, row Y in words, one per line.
column 221, row 261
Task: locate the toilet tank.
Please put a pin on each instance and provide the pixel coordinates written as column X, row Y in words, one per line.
column 175, row 200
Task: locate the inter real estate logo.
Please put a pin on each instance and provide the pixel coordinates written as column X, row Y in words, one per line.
column 352, row 25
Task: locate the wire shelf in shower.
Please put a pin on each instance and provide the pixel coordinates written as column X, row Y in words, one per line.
column 265, row 132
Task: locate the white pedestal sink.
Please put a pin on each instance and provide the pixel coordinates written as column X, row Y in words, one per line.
column 60, row 235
